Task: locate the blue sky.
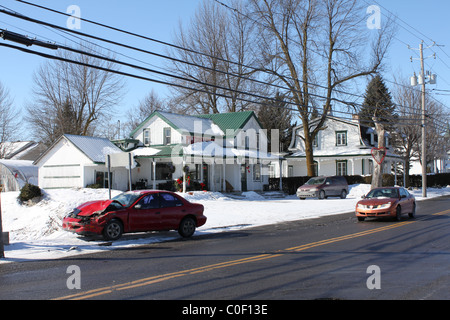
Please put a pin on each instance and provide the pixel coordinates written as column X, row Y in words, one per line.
column 420, row 20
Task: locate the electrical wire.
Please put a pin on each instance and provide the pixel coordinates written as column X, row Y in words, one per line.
column 37, row 21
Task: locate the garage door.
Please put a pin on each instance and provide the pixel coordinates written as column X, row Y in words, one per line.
column 60, row 176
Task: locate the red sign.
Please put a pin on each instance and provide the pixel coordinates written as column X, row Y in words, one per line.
column 379, row 154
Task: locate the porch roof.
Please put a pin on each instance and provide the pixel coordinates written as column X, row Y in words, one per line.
column 201, row 149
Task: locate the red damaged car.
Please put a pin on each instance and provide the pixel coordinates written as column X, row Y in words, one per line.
column 134, row 211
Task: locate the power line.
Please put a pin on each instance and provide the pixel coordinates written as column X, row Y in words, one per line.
column 97, row 38
column 182, row 48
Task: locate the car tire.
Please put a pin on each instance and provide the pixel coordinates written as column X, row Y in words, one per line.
column 187, row 227
column 321, row 195
column 412, row 214
column 398, row 213
column 343, row 194
column 113, row 230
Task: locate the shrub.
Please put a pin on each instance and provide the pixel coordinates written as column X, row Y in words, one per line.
column 29, row 192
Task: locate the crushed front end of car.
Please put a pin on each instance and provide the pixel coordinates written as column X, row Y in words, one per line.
column 89, row 218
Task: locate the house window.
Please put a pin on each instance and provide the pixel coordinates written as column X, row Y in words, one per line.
column 101, row 179
column 167, row 135
column 257, row 172
column 341, row 138
column 341, row 168
column 271, row 171
column 146, row 137
column 315, row 142
column 316, row 168
column 164, row 171
column 290, row 171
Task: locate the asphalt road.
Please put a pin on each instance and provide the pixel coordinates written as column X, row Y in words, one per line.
column 333, row 257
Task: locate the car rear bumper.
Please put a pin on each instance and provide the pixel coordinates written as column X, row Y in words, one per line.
column 201, row 220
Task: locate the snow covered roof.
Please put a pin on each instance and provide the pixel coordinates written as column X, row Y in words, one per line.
column 22, row 170
column 94, row 148
column 212, row 149
column 208, row 149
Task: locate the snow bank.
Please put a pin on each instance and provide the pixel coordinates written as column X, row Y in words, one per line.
column 35, row 231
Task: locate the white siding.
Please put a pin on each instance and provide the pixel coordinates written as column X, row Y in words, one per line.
column 156, row 126
column 62, row 167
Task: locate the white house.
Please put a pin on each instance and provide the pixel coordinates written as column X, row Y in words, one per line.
column 78, row 161
column 223, row 152
column 343, row 148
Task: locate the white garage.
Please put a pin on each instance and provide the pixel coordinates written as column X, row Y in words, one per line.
column 79, row 161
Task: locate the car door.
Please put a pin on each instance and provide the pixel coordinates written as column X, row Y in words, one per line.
column 172, row 211
column 406, row 200
column 145, row 215
column 328, row 187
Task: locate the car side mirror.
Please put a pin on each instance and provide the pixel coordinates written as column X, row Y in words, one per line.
column 363, row 196
column 403, row 196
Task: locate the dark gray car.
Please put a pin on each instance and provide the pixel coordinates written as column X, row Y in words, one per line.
column 324, row 187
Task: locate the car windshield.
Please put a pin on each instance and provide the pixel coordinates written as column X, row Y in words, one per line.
column 127, row 198
column 382, row 193
column 315, row 181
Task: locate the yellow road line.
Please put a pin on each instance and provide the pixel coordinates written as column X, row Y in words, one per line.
column 164, row 277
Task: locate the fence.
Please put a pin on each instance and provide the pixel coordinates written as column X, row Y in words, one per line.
column 438, row 180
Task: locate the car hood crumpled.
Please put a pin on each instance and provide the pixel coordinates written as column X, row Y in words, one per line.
column 89, row 208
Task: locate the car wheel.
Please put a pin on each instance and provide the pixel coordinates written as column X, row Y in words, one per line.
column 343, row 194
column 412, row 214
column 113, row 230
column 398, row 215
column 187, row 227
column 321, row 195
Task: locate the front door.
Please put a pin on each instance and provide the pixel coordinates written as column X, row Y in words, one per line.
column 205, row 169
column 243, row 177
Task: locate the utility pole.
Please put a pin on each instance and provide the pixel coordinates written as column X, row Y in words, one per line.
column 424, row 156
column 422, row 81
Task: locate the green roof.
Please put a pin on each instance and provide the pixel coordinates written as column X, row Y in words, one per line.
column 225, row 121
column 231, row 120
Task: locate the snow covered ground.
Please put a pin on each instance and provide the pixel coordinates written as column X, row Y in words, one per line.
column 35, row 231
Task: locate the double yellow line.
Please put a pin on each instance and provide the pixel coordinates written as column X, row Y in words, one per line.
column 168, row 276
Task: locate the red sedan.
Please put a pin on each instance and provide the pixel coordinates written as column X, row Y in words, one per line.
column 133, row 211
column 386, row 202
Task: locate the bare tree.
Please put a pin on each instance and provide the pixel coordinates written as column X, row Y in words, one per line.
column 408, row 133
column 9, row 121
column 309, row 42
column 145, row 108
column 218, row 56
column 72, row 98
